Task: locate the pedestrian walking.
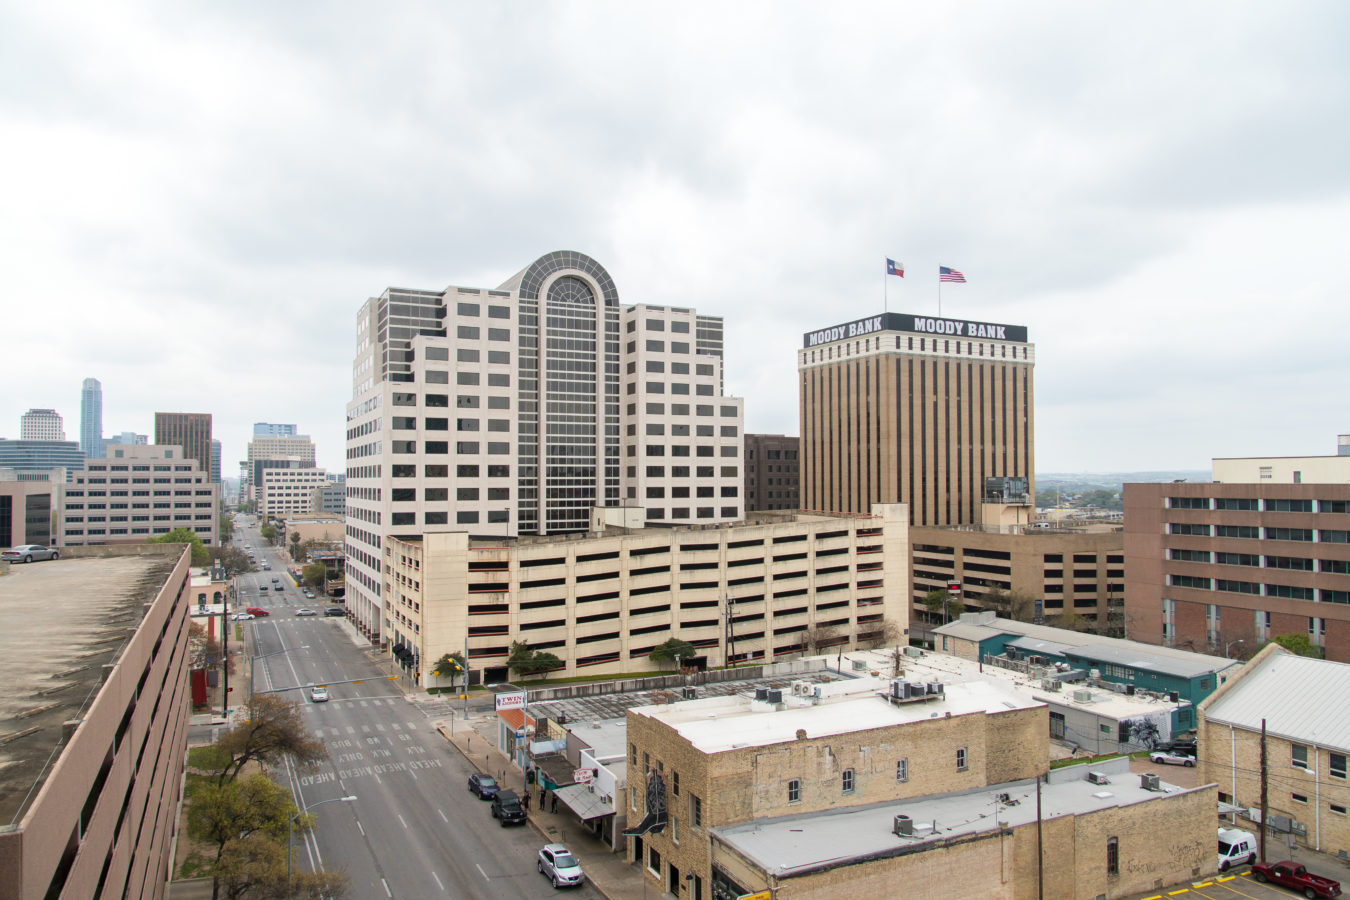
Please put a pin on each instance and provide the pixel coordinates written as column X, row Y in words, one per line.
column 553, row 804
column 525, row 801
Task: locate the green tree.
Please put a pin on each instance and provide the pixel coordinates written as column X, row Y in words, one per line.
column 1013, row 605
column 226, row 813
column 268, row 533
column 272, row 730
column 200, row 555
column 935, row 601
column 313, row 574
column 255, row 866
column 667, row 651
column 1298, row 643
column 527, row 661
column 231, row 558
column 226, row 527
column 450, row 665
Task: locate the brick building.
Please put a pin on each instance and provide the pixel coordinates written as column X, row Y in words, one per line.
column 772, row 472
column 1221, row 568
column 854, row 787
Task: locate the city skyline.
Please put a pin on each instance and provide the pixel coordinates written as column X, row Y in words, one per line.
column 1138, row 198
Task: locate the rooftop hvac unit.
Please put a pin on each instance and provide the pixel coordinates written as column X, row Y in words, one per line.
column 1173, row 696
column 1082, row 696
column 801, row 689
column 1149, row 782
column 898, row 689
column 1095, row 674
column 1129, row 689
column 1036, row 660
column 1098, row 778
column 1117, row 687
column 761, row 693
column 915, row 689
column 773, row 695
column 1053, row 685
column 914, row 651
column 690, row 692
column 903, row 825
column 935, row 687
column 859, row 665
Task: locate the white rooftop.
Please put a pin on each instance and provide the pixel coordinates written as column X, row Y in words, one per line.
column 797, row 844
column 718, row 724
column 1296, row 696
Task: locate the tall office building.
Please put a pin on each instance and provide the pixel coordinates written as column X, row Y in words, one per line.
column 191, row 431
column 562, row 400
column 215, row 461
column 91, row 418
column 772, row 472
column 41, row 425
column 128, row 437
column 274, row 450
column 898, row 408
column 270, row 429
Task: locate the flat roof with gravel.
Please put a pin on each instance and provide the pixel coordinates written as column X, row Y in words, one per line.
column 61, row 622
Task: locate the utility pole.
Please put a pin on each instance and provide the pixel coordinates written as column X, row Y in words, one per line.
column 1040, row 850
column 225, row 658
column 730, row 640
column 1265, row 784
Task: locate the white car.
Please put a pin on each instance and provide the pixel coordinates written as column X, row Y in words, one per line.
column 28, row 553
column 557, row 864
column 241, row 617
column 318, row 694
column 1168, row 758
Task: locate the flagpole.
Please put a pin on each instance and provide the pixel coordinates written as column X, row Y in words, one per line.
column 939, row 293
column 885, row 287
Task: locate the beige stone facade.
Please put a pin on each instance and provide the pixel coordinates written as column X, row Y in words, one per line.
column 1067, row 574
column 287, row 491
column 602, row 603
column 891, row 413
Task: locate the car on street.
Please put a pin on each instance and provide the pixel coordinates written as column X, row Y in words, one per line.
column 29, row 553
column 319, row 694
column 1290, row 874
column 506, row 808
column 275, row 579
column 305, row 611
column 257, row 611
column 484, row 786
column 242, row 617
column 559, row 866
column 277, row 587
column 1168, row 758
column 1236, row 848
column 334, row 611
column 266, row 567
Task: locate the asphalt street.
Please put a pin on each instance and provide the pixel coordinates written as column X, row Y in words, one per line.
column 414, row 830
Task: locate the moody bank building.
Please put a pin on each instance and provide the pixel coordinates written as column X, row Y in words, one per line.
column 899, row 408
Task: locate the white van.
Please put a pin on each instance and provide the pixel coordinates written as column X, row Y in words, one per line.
column 1236, row 848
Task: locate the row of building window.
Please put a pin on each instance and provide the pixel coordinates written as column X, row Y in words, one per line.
column 1321, row 535
column 1252, row 504
column 1258, row 589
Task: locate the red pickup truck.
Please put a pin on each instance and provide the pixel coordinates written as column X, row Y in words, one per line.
column 1290, row 874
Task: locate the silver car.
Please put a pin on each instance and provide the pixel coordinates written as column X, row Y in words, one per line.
column 29, row 553
column 558, row 865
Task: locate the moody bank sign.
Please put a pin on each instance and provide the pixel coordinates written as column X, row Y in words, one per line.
column 958, row 328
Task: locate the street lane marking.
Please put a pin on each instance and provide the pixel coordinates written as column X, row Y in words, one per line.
column 438, row 881
column 387, row 892
column 1174, row 893
column 481, row 872
column 358, row 825
column 351, row 730
column 443, row 818
column 401, row 821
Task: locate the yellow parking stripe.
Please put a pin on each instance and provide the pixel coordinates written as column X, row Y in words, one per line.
column 1174, row 893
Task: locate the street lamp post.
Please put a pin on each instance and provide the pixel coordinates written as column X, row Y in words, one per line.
column 1229, row 645
column 290, row 832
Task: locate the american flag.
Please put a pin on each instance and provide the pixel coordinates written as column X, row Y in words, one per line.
column 946, row 274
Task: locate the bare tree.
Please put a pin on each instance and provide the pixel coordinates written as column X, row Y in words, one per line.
column 272, row 730
column 816, row 638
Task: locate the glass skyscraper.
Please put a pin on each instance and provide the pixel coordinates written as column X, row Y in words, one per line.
column 91, row 418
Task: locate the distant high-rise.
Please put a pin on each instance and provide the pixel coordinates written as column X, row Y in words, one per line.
column 41, row 425
column 91, row 418
column 273, row 451
column 898, row 408
column 191, row 431
column 215, row 461
column 270, row 429
column 128, row 437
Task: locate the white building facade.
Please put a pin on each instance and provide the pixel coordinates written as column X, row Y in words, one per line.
column 514, row 411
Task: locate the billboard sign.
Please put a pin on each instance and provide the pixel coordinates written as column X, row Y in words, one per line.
column 511, row 700
column 957, row 328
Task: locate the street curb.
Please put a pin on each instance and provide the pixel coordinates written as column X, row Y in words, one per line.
column 538, row 829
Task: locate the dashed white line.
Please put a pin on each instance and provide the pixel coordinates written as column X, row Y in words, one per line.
column 401, row 821
column 387, row 892
column 443, row 818
column 438, row 881
column 358, row 825
column 481, row 872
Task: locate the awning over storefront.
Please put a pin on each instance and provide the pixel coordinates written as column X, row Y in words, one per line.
column 584, row 802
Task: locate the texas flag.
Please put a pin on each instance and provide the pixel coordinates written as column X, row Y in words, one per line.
column 895, row 268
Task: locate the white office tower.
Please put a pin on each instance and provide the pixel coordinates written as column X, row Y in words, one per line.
column 514, row 411
column 41, row 425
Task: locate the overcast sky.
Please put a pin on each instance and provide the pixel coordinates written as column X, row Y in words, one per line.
column 195, row 199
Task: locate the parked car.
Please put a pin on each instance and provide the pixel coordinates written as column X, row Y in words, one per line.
column 277, row 587
column 275, row 579
column 1290, row 874
column 305, row 611
column 319, row 694
column 257, row 611
column 1236, row 848
column 506, row 808
column 334, row 611
column 558, row 865
column 1168, row 758
column 484, row 786
column 242, row 617
column 29, row 553
column 1184, row 746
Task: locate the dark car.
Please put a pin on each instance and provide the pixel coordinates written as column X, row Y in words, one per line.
column 1183, row 746
column 506, row 808
column 334, row 611
column 485, row 786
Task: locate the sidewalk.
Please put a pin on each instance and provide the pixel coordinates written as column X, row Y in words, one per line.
column 605, row 869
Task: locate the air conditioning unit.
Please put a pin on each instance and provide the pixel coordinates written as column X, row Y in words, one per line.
column 1117, row 687
column 903, row 826
column 1149, row 782
column 898, row 689
column 1082, row 696
column 935, row 688
column 801, row 689
column 1097, row 778
column 1053, row 685
column 690, row 692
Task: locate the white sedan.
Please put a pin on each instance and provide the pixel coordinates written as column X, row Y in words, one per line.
column 1168, row 758
column 241, row 617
